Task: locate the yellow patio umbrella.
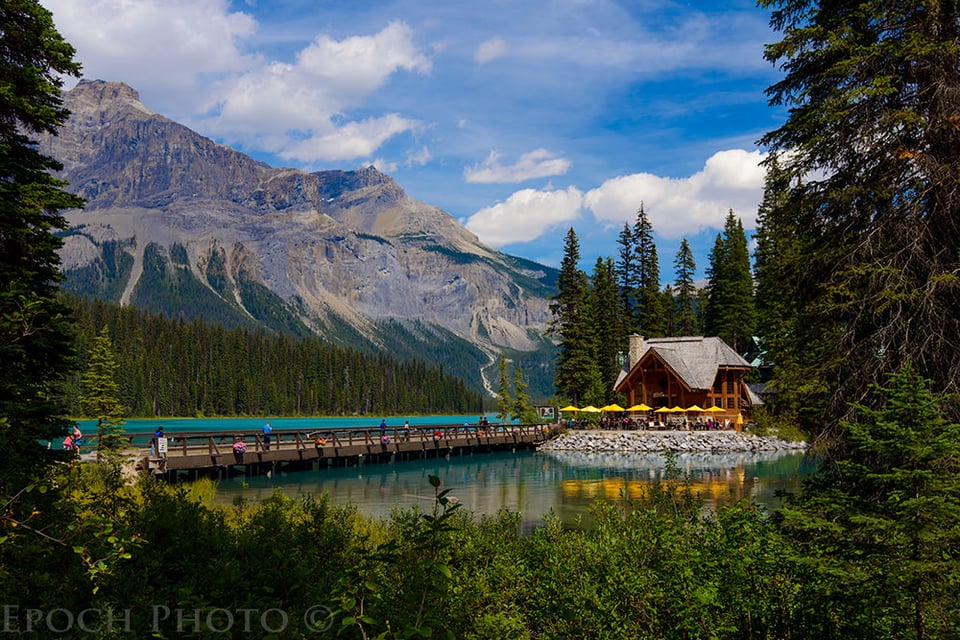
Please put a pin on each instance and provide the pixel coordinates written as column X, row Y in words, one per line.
column 569, row 408
column 613, row 407
column 662, row 410
column 715, row 409
column 590, row 409
column 677, row 410
column 640, row 407
column 694, row 408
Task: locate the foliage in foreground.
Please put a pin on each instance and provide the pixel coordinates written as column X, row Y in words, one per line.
column 655, row 569
column 867, row 551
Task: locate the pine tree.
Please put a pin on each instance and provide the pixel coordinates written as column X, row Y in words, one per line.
column 577, row 369
column 504, row 402
column 743, row 316
column 35, row 332
column 871, row 90
column 668, row 302
column 101, row 398
column 793, row 347
column 608, row 327
column 627, row 276
column 714, row 309
column 522, row 410
column 650, row 316
column 879, row 526
column 730, row 310
column 685, row 291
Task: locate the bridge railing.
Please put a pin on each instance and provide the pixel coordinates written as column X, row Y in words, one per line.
column 221, row 442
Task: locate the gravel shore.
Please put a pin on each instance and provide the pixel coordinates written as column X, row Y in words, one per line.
column 658, row 441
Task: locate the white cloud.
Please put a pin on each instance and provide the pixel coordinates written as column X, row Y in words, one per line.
column 354, row 67
column 188, row 60
column 178, row 41
column 418, row 158
column 383, row 166
column 491, row 49
column 731, row 179
column 352, row 140
column 525, row 216
column 296, row 110
column 539, row 163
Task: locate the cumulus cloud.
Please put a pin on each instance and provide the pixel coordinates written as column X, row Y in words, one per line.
column 352, row 140
column 538, row 163
column 179, row 41
column 491, row 49
column 731, row 179
column 295, row 110
column 525, row 216
column 200, row 74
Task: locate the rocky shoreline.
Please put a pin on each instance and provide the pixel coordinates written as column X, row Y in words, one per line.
column 660, row 441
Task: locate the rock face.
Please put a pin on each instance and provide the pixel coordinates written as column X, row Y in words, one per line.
column 340, row 250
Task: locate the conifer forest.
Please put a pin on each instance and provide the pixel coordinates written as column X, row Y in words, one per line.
column 174, row 368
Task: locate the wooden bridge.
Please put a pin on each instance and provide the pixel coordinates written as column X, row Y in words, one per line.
column 214, row 454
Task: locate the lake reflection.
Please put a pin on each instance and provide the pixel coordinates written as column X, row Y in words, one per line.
column 534, row 483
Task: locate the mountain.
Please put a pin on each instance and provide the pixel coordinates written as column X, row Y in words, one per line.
column 181, row 225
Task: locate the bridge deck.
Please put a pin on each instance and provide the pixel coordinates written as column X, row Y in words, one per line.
column 215, row 450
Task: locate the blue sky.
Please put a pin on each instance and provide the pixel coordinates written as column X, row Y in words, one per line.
column 520, row 119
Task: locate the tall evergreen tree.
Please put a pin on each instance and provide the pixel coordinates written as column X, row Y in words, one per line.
column 35, row 340
column 576, row 369
column 522, row 410
column 668, row 301
column 879, row 527
column 790, row 346
column 608, row 327
column 871, row 91
column 713, row 312
column 730, row 312
column 627, row 274
column 685, row 291
column 101, row 398
column 649, row 320
column 504, row 401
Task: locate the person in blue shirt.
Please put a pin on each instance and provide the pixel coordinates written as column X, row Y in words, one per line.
column 266, row 436
column 155, row 443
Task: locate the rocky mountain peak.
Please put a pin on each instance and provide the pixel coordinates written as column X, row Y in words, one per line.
column 333, row 184
column 95, row 97
column 346, row 252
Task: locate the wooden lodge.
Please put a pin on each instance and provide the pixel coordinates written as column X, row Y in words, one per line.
column 686, row 371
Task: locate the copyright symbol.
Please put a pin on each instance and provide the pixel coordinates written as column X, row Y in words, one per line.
column 318, row 618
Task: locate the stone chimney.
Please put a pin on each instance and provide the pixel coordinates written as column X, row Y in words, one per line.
column 637, row 347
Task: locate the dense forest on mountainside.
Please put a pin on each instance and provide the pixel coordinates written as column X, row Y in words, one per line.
column 168, row 286
column 177, row 368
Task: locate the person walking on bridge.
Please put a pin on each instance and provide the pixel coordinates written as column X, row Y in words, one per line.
column 266, row 436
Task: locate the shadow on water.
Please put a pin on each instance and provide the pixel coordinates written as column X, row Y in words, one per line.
column 535, row 483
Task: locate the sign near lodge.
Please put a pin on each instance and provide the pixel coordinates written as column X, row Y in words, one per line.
column 547, row 413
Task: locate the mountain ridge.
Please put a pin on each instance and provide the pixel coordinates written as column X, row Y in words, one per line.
column 343, row 253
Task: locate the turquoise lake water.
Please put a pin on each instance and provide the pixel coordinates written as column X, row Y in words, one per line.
column 533, row 483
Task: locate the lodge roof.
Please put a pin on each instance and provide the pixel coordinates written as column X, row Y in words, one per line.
column 695, row 359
